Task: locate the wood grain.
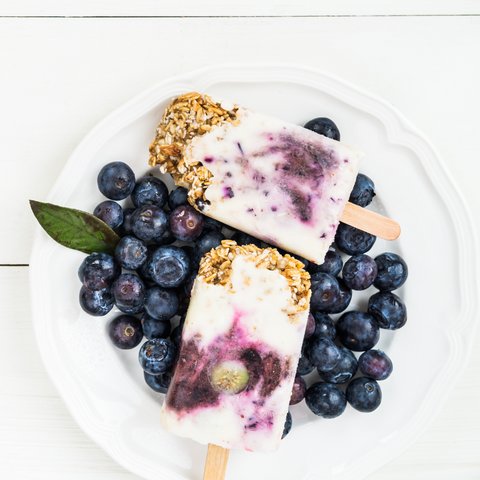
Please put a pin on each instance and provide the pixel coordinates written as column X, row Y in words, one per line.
column 216, row 463
column 370, row 222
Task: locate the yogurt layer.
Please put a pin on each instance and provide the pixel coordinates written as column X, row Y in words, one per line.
column 276, row 181
column 254, row 321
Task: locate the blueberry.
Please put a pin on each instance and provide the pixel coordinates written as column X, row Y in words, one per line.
column 359, row 272
column 324, row 326
column 149, row 190
column 324, row 126
column 205, row 243
column 332, row 264
column 392, row 272
column 176, row 335
column 96, row 302
column 364, row 394
column 143, row 270
column 109, row 212
column 98, row 271
column 131, row 253
column 169, row 266
column 125, row 229
column 325, row 400
column 129, row 293
column 353, row 241
column 160, row 303
column 325, row 291
column 116, row 180
column 125, row 332
column 158, row 383
column 288, row 425
column 343, row 300
column 167, row 237
column 375, row 364
column 188, row 285
column 153, row 328
column 243, row 238
column 178, row 197
column 212, row 225
column 183, row 300
column 358, row 331
column 304, row 366
column 363, row 191
column 322, row 353
column 345, row 369
column 149, row 222
column 186, row 223
column 157, row 356
column 298, row 390
column 310, row 328
column 388, row 310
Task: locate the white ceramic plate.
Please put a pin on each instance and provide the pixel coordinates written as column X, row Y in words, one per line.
column 104, row 388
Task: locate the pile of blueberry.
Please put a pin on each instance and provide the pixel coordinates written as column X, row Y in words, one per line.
column 150, row 280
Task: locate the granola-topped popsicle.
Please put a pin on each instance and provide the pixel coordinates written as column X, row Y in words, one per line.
column 240, row 347
column 274, row 180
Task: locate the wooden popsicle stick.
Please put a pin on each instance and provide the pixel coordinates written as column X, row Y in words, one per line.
column 216, row 464
column 370, row 222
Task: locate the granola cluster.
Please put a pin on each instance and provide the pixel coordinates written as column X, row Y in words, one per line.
column 188, row 116
column 216, row 268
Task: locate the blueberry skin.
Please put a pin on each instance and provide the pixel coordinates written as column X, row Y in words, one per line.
column 324, row 126
column 129, row 293
column 359, row 272
column 125, row 332
column 160, row 303
column 110, row 213
column 375, row 364
column 153, row 328
column 243, row 238
column 205, row 243
column 298, row 390
column 324, row 326
column 149, row 222
column 186, row 223
column 143, row 270
column 131, row 253
column 212, row 225
column 116, row 180
column 332, row 264
column 96, row 302
column 125, row 229
column 169, row 266
column 167, row 237
column 364, row 394
column 325, row 400
column 363, row 191
column 310, row 327
column 176, row 335
column 322, row 353
column 149, row 190
column 325, row 291
column 98, row 271
column 345, row 369
column 157, row 356
column 358, row 331
column 388, row 310
column 343, row 300
column 353, row 241
column 392, row 272
column 288, row 425
column 188, row 285
column 304, row 366
column 158, row 383
column 178, row 197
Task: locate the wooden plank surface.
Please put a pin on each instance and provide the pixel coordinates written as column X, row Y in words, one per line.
column 60, row 77
column 234, row 8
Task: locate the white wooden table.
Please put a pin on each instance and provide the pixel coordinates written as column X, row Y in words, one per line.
column 64, row 65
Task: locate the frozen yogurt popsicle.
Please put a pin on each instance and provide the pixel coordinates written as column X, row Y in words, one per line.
column 274, row 180
column 240, row 347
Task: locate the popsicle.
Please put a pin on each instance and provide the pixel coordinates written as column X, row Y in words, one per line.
column 240, row 347
column 274, row 180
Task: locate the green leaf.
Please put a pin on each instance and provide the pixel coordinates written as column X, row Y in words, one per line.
column 75, row 229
